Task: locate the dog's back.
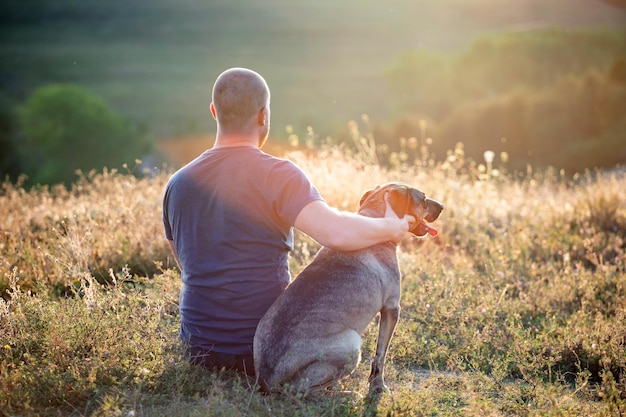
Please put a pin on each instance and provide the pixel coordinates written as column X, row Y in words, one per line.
column 325, row 309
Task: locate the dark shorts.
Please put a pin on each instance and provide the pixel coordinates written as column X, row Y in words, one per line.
column 217, row 361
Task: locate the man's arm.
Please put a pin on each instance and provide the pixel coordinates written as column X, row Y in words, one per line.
column 350, row 231
column 173, row 248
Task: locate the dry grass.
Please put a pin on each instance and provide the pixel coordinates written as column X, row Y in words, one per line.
column 518, row 307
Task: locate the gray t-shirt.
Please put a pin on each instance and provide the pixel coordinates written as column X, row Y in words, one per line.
column 230, row 214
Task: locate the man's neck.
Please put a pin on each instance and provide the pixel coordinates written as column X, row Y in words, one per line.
column 231, row 141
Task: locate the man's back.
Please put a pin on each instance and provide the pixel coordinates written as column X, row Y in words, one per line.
column 229, row 213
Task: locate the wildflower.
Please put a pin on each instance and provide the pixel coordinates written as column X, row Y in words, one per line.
column 489, row 155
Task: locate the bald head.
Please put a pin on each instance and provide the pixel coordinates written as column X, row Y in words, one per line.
column 239, row 94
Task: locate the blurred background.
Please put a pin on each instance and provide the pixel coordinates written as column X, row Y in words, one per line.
column 86, row 83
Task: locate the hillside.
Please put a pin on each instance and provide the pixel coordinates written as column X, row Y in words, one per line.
column 325, row 60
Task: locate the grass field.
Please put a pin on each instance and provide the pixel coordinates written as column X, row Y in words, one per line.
column 517, row 308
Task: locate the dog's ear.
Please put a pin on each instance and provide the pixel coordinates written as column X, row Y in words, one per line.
column 367, row 194
column 364, row 197
column 399, row 200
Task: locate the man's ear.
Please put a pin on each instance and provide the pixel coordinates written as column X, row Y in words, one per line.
column 263, row 117
column 212, row 108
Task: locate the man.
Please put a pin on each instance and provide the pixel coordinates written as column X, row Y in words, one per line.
column 228, row 217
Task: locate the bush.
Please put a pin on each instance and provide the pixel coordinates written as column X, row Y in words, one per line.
column 575, row 124
column 67, row 129
column 548, row 98
column 9, row 165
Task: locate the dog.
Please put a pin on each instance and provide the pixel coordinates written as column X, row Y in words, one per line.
column 310, row 337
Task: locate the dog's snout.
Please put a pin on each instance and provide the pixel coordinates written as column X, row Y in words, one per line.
column 433, row 210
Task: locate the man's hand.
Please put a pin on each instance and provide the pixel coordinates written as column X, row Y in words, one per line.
column 402, row 224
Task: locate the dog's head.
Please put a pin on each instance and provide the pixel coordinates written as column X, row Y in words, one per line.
column 404, row 200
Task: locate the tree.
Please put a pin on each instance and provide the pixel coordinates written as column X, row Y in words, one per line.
column 66, row 128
